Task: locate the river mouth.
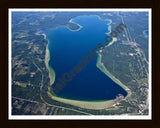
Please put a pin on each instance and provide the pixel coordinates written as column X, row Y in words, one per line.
column 66, row 49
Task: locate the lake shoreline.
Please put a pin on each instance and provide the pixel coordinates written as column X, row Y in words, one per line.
column 96, row 105
column 52, row 74
column 101, row 66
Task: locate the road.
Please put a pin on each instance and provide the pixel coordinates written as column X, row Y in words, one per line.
column 50, row 105
column 140, row 54
column 41, row 87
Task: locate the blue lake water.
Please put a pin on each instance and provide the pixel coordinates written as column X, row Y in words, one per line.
column 66, row 50
column 146, row 33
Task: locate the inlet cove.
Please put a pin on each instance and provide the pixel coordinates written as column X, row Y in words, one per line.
column 70, row 55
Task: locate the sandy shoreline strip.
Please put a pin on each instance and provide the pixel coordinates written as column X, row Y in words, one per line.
column 71, row 21
column 101, row 66
column 52, row 74
column 95, row 105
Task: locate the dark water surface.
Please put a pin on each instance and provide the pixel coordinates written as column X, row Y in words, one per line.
column 146, row 33
column 66, row 50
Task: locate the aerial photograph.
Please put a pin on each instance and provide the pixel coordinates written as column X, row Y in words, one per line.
column 79, row 63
